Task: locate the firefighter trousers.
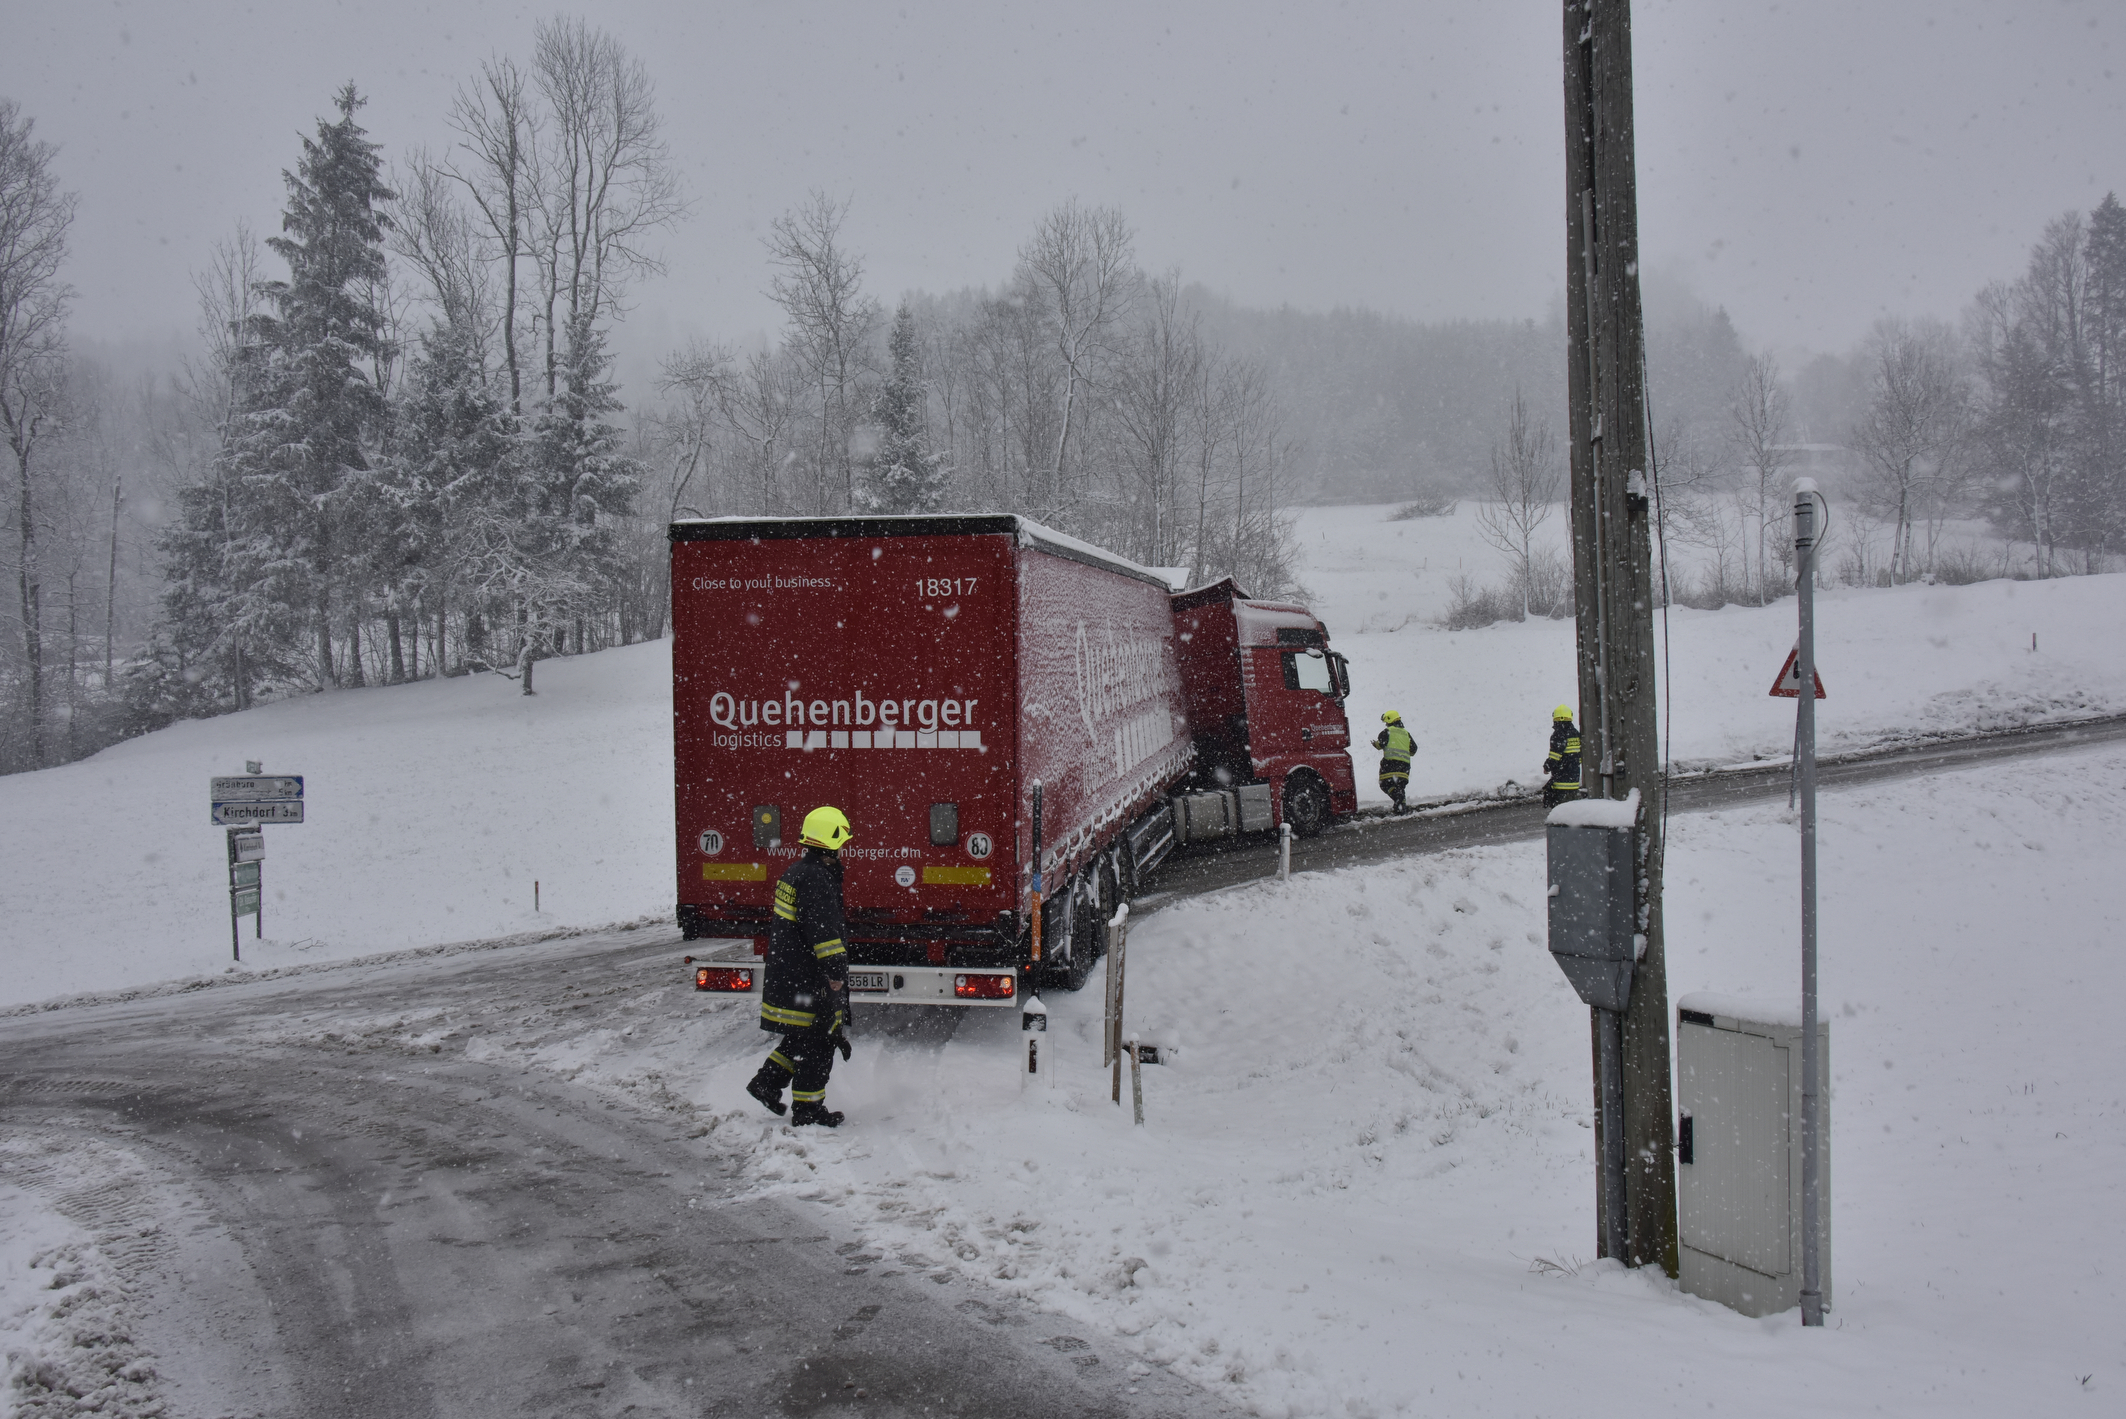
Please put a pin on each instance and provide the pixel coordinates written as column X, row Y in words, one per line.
column 803, row 1060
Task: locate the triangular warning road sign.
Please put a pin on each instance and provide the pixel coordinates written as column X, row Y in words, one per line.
column 1788, row 685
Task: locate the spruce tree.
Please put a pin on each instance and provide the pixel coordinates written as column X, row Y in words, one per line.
column 905, row 476
column 303, row 453
column 579, row 484
column 450, row 483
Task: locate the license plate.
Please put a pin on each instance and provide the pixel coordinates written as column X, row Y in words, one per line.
column 867, row 980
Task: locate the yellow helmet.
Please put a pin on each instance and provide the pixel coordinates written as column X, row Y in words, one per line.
column 825, row 827
column 1561, row 712
column 1390, row 717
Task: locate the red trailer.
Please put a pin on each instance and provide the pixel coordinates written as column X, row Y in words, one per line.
column 923, row 674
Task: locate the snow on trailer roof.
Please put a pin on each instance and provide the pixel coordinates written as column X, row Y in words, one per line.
column 1025, row 530
column 1257, row 622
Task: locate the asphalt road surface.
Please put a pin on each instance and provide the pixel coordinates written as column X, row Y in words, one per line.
column 305, row 1218
column 314, row 1223
column 1193, row 871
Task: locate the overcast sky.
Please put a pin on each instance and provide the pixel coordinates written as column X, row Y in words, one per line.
column 1807, row 165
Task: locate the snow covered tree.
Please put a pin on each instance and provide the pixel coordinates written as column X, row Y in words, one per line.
column 580, row 480
column 300, row 464
column 905, row 476
column 1912, row 433
column 451, row 485
column 34, row 217
column 819, row 284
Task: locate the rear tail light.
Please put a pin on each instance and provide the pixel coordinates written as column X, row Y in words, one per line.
column 723, row 978
column 973, row 987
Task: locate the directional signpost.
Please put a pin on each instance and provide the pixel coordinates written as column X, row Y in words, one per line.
column 244, row 806
column 259, row 798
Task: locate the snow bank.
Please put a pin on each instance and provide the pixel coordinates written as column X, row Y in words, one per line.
column 1898, row 662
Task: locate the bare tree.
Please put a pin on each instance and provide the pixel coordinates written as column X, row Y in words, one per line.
column 1079, row 268
column 819, row 284
column 34, row 217
column 603, row 175
column 1913, row 424
column 1159, row 385
column 1523, row 484
column 1757, row 422
column 498, row 145
column 438, row 238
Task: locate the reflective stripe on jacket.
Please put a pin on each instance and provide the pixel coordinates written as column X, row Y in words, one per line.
column 1563, row 764
column 806, row 952
column 1396, row 746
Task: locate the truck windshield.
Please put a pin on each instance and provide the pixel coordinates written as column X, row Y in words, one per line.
column 1307, row 670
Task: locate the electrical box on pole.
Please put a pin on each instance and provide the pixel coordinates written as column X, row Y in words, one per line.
column 1614, row 590
column 1594, row 866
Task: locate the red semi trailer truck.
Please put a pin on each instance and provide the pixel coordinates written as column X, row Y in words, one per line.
column 924, row 674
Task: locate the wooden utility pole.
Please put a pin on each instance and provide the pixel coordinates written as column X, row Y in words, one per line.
column 1612, row 568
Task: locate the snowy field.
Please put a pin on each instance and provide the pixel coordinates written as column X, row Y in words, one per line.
column 433, row 808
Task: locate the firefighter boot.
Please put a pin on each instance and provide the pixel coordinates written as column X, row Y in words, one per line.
column 809, row 1112
column 766, row 1086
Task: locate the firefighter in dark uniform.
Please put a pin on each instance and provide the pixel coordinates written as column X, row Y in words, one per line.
column 1396, row 746
column 1562, row 768
column 804, row 997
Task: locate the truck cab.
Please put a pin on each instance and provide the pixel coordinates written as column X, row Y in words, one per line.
column 1279, row 721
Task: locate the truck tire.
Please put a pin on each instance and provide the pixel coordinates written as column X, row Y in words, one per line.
column 1072, row 970
column 1306, row 804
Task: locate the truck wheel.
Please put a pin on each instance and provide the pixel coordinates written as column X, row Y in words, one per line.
column 1306, row 804
column 1071, row 972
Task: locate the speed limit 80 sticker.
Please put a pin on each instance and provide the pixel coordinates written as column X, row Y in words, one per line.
column 978, row 845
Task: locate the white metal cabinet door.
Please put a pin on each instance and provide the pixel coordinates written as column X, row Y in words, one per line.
column 1732, row 1198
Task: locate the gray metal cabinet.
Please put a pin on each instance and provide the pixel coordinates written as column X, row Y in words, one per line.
column 1738, row 1174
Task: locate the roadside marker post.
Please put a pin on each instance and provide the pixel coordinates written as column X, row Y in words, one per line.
column 1033, row 1022
column 1111, row 1036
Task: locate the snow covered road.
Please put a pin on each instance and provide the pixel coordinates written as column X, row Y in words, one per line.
column 344, row 1195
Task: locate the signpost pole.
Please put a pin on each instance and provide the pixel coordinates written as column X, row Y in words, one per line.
column 244, row 806
column 236, row 940
column 1806, row 534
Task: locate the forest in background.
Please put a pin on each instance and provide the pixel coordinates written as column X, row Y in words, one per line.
column 397, row 447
